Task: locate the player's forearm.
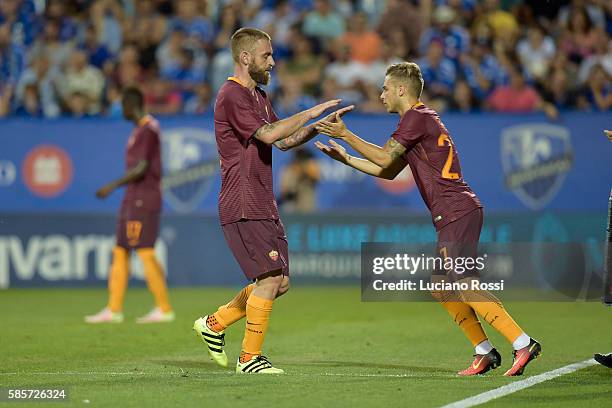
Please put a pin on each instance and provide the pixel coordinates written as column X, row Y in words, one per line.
column 297, row 138
column 281, row 129
column 134, row 174
column 370, row 151
column 364, row 166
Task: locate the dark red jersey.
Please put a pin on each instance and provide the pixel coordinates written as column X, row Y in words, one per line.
column 434, row 162
column 246, row 162
column 144, row 144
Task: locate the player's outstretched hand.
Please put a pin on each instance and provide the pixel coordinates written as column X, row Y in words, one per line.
column 336, row 128
column 332, row 116
column 104, row 192
column 609, row 134
column 317, row 110
column 335, row 151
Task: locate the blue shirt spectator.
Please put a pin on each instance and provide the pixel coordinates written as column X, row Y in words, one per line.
column 12, row 57
column 456, row 39
column 323, row 23
column 439, row 72
column 483, row 72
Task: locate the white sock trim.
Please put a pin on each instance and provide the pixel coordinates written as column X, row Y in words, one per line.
column 484, row 347
column 521, row 341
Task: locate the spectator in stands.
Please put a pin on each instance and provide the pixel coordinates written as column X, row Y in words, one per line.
column 29, row 105
column 201, row 101
column 343, row 76
column 482, row 71
column 278, row 22
column 463, row 100
column 597, row 95
column 298, row 183
column 186, row 74
column 536, row 52
column 68, row 27
column 190, row 20
column 580, row 36
column 558, row 91
column 363, row 43
column 323, row 23
column 44, row 78
column 518, row 97
column 438, row 72
column 292, row 100
column 304, row 66
column 12, row 57
column 6, row 97
column 601, row 56
column 162, row 99
column 50, row 45
column 81, row 85
column 229, row 22
column 504, row 24
column 456, row 39
column 403, row 19
column 98, row 53
column 107, row 17
column 24, row 24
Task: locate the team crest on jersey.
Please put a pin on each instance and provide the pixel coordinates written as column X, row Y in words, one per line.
column 190, row 163
column 273, row 255
column 535, row 160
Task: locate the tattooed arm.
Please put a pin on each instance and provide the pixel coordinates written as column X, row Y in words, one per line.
column 383, row 157
column 306, row 133
column 272, row 132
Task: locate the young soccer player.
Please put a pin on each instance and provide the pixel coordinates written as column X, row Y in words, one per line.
column 138, row 222
column 422, row 141
column 246, row 127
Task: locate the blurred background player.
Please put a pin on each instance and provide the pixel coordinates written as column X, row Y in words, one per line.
column 246, row 127
column 422, row 141
column 138, row 222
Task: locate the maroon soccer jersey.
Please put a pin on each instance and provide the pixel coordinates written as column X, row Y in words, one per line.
column 246, row 162
column 434, row 162
column 144, row 144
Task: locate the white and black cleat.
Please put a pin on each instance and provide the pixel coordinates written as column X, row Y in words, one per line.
column 213, row 340
column 257, row 365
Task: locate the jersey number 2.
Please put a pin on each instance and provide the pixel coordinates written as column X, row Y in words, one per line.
column 446, row 173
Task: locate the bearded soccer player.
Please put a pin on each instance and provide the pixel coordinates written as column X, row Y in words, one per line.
column 246, row 127
column 138, row 222
column 422, row 141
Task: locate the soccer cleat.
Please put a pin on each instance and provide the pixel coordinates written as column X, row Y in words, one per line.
column 213, row 340
column 483, row 363
column 257, row 365
column 523, row 356
column 105, row 316
column 156, row 316
column 604, row 359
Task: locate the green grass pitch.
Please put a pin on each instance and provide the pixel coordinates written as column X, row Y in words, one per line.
column 336, row 350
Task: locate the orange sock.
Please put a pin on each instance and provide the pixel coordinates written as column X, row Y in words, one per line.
column 156, row 281
column 118, row 279
column 493, row 312
column 232, row 312
column 467, row 320
column 257, row 318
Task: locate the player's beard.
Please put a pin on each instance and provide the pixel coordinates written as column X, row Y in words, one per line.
column 259, row 75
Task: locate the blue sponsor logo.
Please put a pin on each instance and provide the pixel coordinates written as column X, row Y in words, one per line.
column 535, row 160
column 190, row 164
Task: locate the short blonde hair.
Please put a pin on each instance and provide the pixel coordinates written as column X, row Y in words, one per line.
column 408, row 73
column 244, row 40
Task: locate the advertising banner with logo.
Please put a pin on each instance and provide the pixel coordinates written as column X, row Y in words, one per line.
column 75, row 250
column 523, row 163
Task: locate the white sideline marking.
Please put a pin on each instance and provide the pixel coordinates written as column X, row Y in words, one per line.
column 519, row 385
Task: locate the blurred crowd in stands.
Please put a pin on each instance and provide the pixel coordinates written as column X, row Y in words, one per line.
column 73, row 57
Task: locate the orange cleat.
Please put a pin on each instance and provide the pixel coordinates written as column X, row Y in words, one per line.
column 523, row 356
column 483, row 363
